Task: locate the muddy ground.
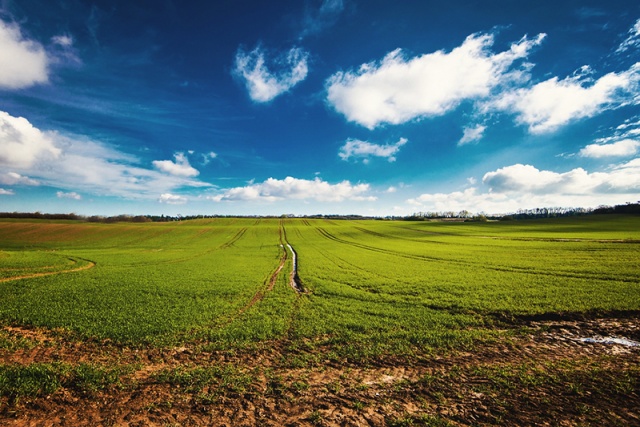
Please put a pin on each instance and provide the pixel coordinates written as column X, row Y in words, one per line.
column 539, row 373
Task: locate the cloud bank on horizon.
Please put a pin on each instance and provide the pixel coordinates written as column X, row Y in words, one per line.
column 106, row 118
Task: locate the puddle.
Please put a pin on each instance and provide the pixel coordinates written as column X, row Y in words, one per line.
column 611, row 340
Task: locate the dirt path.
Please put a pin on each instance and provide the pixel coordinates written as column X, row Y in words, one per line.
column 91, row 264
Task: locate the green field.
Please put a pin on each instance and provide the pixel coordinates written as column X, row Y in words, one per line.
column 435, row 316
column 394, row 285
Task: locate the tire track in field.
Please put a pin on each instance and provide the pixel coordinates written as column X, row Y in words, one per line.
column 520, row 270
column 90, row 264
column 296, row 284
column 226, row 245
column 233, row 240
column 270, row 283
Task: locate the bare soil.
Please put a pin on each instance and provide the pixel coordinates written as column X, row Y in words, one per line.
column 539, row 373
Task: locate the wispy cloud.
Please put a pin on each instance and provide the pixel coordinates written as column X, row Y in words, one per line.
column 291, row 188
column 264, row 84
column 553, row 103
column 12, row 178
column 72, row 195
column 207, row 157
column 24, row 62
column 317, row 20
column 4, row 192
column 623, row 148
column 365, row 150
column 172, row 199
column 633, row 39
column 472, row 134
column 396, row 89
column 180, row 167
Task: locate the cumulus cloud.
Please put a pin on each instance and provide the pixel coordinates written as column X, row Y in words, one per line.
column 472, row 134
column 4, row 192
column 72, row 195
column 553, row 103
column 633, row 39
column 291, row 188
column 79, row 164
column 624, row 178
column 172, row 199
column 23, row 62
column 12, row 178
column 365, row 150
column 623, row 148
column 399, row 89
column 21, row 143
column 263, row 84
column 525, row 187
column 180, row 167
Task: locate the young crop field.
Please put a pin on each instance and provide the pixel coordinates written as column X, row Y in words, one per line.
column 210, row 322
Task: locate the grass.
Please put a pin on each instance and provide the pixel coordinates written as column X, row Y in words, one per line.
column 43, row 379
column 375, row 287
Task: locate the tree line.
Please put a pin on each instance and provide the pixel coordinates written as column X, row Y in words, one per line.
column 463, row 215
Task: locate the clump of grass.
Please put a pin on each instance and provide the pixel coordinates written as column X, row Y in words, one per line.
column 208, row 381
column 12, row 343
column 43, row 379
column 38, row 379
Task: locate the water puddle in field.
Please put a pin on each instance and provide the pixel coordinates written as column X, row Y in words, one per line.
column 295, row 282
column 612, row 335
column 611, row 340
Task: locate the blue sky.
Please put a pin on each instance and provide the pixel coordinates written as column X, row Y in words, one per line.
column 305, row 107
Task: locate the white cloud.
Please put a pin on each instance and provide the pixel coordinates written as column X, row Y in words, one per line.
column 391, row 189
column 623, row 178
column 525, row 187
column 21, row 143
column 289, row 188
column 625, row 147
column 64, row 40
column 207, row 157
column 12, row 178
column 72, row 195
column 472, row 134
column 180, row 167
column 62, row 50
column 172, row 199
column 263, row 84
column 78, row 164
column 633, row 40
column 553, row 103
column 4, row 192
column 396, row 89
column 365, row 150
column 23, row 62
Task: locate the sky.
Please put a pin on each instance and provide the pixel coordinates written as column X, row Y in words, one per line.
column 304, row 107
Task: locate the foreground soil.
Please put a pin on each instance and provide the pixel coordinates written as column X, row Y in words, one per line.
column 539, row 372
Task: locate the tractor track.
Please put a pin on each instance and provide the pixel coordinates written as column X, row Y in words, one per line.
column 90, row 264
column 427, row 258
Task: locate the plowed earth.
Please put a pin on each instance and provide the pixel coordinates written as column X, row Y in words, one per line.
column 539, row 373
